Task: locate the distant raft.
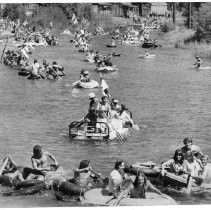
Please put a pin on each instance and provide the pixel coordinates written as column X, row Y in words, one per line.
column 86, row 85
column 98, row 196
column 106, row 69
column 108, row 45
column 147, row 56
column 150, row 45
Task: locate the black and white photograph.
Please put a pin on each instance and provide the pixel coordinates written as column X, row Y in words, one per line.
column 105, row 104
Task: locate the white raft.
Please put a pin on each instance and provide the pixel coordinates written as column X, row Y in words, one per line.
column 97, row 197
column 201, row 68
column 91, row 84
column 89, row 60
column 147, row 56
column 106, row 69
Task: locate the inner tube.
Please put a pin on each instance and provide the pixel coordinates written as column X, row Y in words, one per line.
column 116, row 54
column 149, row 45
column 6, row 181
column 27, row 183
column 68, row 188
column 34, row 77
column 23, row 73
column 148, row 172
column 27, row 191
column 108, row 45
column 174, row 180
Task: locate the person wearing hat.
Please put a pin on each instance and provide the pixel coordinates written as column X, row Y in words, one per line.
column 198, row 62
column 84, row 76
column 189, row 147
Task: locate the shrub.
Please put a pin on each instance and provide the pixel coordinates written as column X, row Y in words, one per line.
column 43, row 15
column 167, row 26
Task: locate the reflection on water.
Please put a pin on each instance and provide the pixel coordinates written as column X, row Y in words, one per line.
column 169, row 101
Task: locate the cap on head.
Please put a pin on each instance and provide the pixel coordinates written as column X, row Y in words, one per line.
column 115, row 101
column 54, row 63
column 92, row 95
column 86, row 72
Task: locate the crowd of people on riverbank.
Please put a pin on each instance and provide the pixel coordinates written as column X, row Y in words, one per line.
column 18, row 58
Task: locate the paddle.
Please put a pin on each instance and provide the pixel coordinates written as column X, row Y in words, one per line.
column 4, row 49
column 3, row 165
column 124, row 192
column 189, row 185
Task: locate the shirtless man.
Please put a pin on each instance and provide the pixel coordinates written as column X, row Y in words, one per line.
column 39, row 160
column 204, row 176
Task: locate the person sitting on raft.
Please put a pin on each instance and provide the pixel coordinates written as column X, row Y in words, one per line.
column 113, row 42
column 85, row 76
column 58, row 69
column 204, row 176
column 107, row 60
column 141, row 185
column 137, row 188
column 177, row 165
column 39, row 160
column 194, row 165
column 198, row 62
column 146, row 53
column 84, row 175
column 17, row 173
column 189, row 147
column 97, row 57
column 116, row 177
column 35, row 68
column 124, row 116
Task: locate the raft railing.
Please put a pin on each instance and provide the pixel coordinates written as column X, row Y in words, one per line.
column 89, row 128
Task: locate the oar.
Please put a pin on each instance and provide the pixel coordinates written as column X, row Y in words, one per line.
column 4, row 49
column 124, row 193
column 3, row 165
column 189, row 185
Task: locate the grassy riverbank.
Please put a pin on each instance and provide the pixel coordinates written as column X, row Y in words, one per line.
column 180, row 38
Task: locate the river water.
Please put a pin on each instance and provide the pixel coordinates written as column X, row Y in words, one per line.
column 169, row 101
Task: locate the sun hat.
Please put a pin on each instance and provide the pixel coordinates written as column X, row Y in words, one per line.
column 86, row 72
column 92, row 95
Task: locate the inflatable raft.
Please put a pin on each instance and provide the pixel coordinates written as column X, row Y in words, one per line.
column 201, row 68
column 147, row 56
column 108, row 45
column 86, row 85
column 106, row 69
column 99, row 196
column 83, row 130
column 116, row 54
column 23, row 73
column 90, row 60
column 150, row 45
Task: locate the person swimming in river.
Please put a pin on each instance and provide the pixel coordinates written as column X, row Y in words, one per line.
column 198, row 62
column 85, row 76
